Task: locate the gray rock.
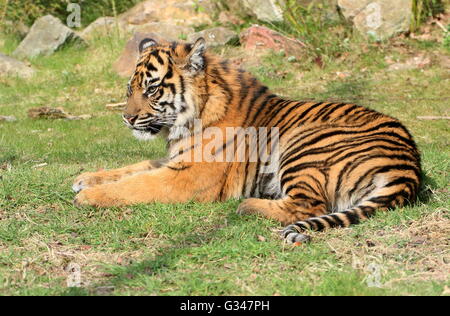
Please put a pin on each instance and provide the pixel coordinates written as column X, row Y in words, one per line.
column 217, row 36
column 46, row 36
column 265, row 10
column 12, row 67
column 378, row 19
column 104, row 26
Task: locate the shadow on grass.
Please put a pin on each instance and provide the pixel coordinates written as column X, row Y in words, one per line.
column 165, row 259
column 426, row 190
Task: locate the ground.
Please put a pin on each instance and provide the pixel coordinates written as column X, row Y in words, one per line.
column 206, row 249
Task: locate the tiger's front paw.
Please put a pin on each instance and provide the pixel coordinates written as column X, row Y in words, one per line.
column 97, row 196
column 86, row 180
column 248, row 207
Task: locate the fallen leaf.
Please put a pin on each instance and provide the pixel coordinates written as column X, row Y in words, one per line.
column 262, row 238
column 343, row 75
column 8, row 118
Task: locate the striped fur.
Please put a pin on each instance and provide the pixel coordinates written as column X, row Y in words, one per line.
column 339, row 162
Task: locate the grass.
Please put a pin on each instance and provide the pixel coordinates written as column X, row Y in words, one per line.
column 206, row 249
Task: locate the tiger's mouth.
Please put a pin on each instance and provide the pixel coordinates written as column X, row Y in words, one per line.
column 152, row 128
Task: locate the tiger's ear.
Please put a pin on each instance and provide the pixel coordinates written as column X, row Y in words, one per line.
column 196, row 58
column 146, row 43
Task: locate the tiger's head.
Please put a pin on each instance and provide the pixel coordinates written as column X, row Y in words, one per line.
column 162, row 93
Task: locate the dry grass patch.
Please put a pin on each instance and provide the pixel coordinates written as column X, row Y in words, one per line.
column 414, row 252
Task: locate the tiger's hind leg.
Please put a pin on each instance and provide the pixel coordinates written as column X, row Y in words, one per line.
column 90, row 179
column 286, row 210
column 396, row 193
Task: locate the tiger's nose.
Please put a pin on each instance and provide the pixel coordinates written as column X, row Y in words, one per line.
column 130, row 118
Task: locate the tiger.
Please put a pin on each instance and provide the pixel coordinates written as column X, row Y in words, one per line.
column 338, row 163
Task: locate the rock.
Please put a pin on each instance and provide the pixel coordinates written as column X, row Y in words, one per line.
column 46, row 36
column 265, row 10
column 180, row 12
column 126, row 64
column 104, row 26
column 159, row 31
column 12, row 67
column 7, row 118
column 165, row 30
column 217, row 36
column 378, row 19
column 260, row 37
column 351, row 8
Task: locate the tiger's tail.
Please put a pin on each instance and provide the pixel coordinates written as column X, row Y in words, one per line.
column 296, row 232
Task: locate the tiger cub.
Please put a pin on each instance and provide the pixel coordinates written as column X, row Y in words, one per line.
column 337, row 163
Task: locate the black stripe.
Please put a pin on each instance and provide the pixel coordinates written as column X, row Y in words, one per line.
column 350, row 109
column 338, row 221
column 158, row 57
column 150, row 67
column 332, row 109
column 384, row 169
column 330, row 148
column 224, row 85
column 275, row 109
column 316, row 223
column 401, row 180
column 352, row 217
column 256, row 94
column 321, row 112
column 179, row 169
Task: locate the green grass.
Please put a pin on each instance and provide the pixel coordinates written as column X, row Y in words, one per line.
column 206, row 249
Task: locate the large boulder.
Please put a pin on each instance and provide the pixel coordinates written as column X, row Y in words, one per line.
column 378, row 19
column 12, row 67
column 46, row 36
column 262, row 38
column 126, row 64
column 216, row 36
column 180, row 12
column 159, row 31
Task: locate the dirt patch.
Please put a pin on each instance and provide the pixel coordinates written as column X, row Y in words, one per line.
column 417, row 251
column 66, row 264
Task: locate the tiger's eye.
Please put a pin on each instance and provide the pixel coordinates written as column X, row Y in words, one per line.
column 152, row 90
